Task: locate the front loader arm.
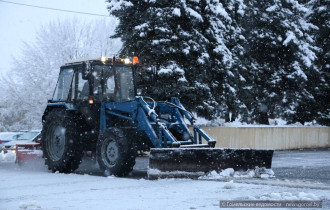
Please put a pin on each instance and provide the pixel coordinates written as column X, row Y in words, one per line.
column 145, row 117
column 164, row 135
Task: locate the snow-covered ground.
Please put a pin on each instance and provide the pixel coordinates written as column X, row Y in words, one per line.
column 9, row 157
column 34, row 187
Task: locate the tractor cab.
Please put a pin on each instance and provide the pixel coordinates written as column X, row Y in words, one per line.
column 84, row 84
column 95, row 80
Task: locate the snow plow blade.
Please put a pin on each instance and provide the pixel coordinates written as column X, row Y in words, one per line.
column 195, row 162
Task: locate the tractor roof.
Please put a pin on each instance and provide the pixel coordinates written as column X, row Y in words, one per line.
column 86, row 59
column 134, row 60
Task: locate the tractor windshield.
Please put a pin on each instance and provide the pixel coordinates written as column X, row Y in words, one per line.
column 125, row 83
column 111, row 86
column 63, row 85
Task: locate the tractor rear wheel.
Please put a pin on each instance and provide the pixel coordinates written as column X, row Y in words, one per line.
column 115, row 152
column 61, row 146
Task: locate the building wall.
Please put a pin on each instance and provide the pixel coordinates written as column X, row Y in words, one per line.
column 279, row 138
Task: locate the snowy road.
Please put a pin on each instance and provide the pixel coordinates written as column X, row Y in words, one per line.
column 306, row 165
column 33, row 187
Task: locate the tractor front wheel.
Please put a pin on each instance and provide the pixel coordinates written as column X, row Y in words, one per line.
column 115, row 153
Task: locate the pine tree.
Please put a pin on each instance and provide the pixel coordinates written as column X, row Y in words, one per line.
column 282, row 55
column 319, row 16
column 249, row 59
column 237, row 96
column 169, row 35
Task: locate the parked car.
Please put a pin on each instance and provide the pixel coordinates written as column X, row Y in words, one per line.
column 23, row 137
column 6, row 137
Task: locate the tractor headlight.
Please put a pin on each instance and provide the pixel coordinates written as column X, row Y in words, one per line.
column 126, row 60
column 104, row 59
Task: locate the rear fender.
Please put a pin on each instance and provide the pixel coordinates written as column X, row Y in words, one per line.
column 59, row 105
column 90, row 135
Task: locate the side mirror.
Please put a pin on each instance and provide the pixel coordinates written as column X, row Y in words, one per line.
column 86, row 69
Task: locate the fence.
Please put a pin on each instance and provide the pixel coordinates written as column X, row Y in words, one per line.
column 279, row 138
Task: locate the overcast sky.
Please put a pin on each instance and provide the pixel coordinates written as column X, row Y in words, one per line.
column 18, row 24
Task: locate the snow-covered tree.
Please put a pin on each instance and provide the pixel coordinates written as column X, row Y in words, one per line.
column 319, row 15
column 233, row 73
column 251, row 60
column 184, row 40
column 282, row 53
column 32, row 79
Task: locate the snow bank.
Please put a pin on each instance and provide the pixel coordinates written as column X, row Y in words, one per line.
column 229, row 185
column 262, row 173
column 155, row 173
column 7, row 157
column 227, row 172
column 286, row 196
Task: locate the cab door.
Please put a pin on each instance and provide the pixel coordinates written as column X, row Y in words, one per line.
column 63, row 89
column 84, row 99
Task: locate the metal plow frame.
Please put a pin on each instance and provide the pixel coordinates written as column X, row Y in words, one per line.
column 26, row 153
column 195, row 162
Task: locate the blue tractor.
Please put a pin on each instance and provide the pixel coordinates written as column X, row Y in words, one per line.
column 95, row 107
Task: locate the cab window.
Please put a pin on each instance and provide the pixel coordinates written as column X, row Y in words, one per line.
column 83, row 88
column 63, row 85
column 104, row 83
column 126, row 83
